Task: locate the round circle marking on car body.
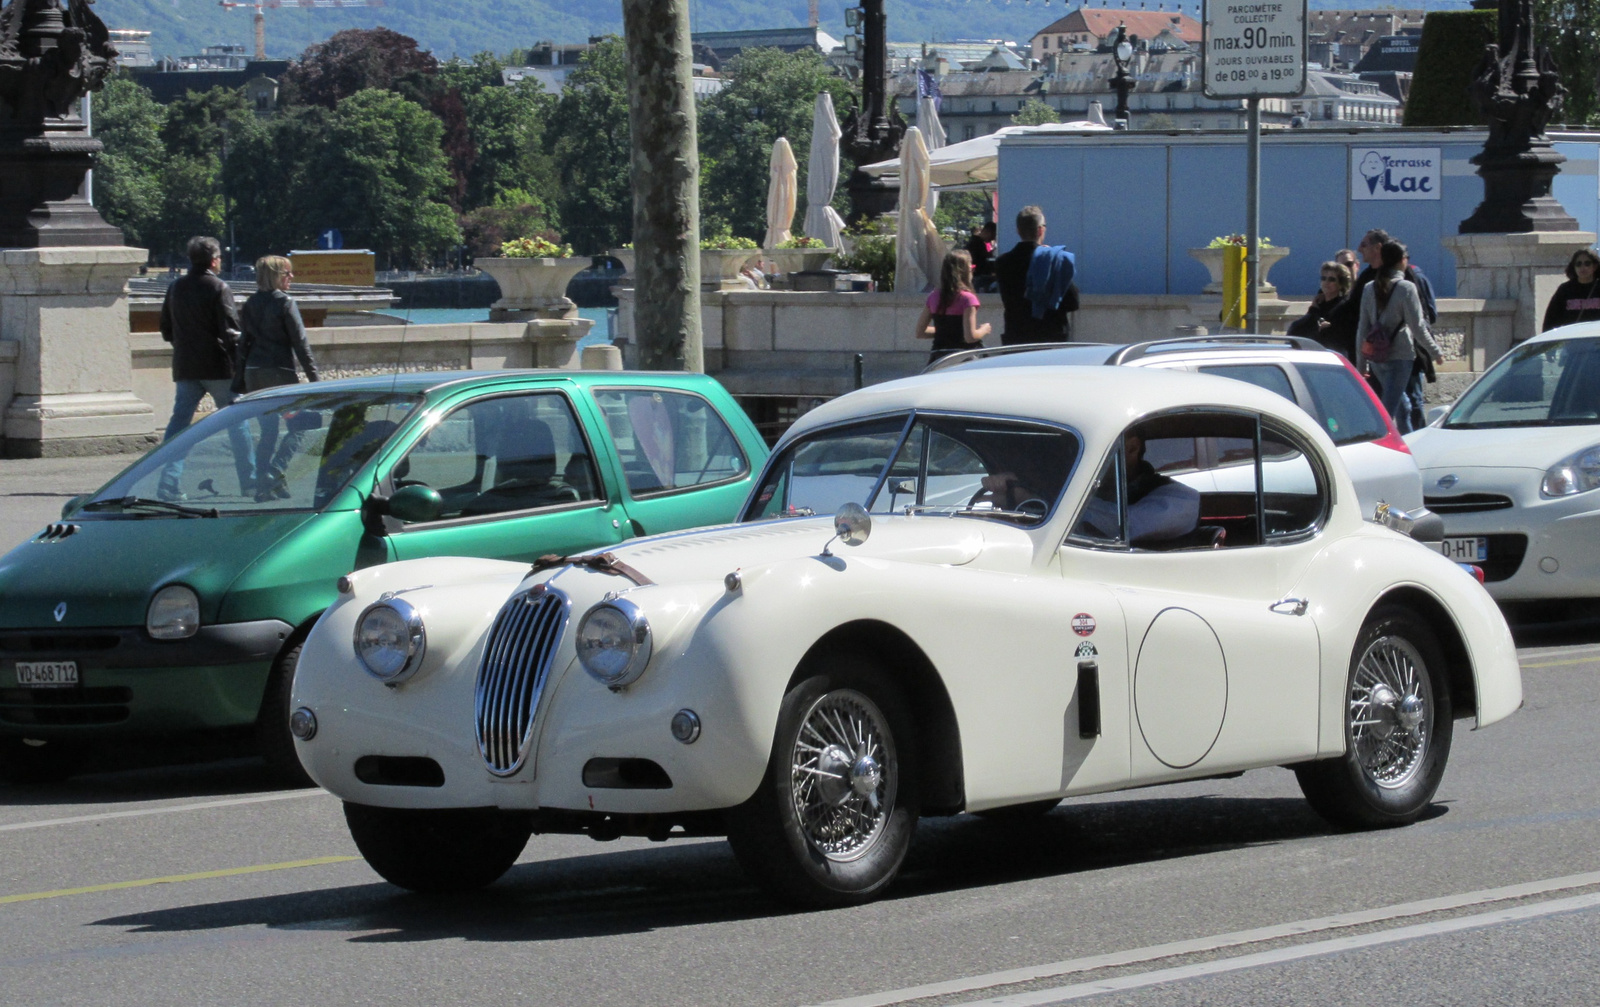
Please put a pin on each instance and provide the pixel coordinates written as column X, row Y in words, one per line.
column 1083, row 624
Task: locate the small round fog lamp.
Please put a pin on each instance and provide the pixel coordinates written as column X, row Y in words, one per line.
column 303, row 724
column 686, row 726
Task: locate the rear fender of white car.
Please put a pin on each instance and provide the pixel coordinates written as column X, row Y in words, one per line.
column 1357, row 575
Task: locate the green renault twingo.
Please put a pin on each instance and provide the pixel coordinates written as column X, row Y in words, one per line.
column 174, row 599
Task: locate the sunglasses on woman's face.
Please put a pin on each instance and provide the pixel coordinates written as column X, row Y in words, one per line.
column 1329, row 279
column 1590, row 263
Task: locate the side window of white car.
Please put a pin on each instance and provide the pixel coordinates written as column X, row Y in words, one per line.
column 669, row 440
column 1294, row 497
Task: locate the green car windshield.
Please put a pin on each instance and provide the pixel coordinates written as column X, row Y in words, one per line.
column 1542, row 384
column 281, row 452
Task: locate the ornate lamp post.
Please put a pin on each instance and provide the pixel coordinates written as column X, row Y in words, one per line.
column 52, row 52
column 1517, row 87
column 1122, row 55
column 872, row 132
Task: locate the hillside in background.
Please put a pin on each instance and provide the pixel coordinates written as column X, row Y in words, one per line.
column 463, row 27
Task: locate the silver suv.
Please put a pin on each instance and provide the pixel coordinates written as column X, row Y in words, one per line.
column 1321, row 382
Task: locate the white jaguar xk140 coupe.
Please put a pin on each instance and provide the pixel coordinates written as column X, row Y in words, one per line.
column 970, row 590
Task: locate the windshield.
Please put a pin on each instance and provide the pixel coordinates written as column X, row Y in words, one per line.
column 949, row 464
column 1545, row 384
column 283, row 452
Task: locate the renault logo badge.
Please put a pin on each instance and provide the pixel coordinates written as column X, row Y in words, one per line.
column 1445, row 482
column 61, row 611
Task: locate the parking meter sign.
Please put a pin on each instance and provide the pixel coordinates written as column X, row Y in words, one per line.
column 1254, row 48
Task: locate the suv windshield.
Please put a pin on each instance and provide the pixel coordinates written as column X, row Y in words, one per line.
column 1545, row 384
column 948, row 464
column 280, row 452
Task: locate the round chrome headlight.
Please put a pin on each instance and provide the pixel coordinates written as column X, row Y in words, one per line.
column 613, row 642
column 390, row 640
column 174, row 613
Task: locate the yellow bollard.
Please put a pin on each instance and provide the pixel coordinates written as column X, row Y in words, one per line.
column 1233, row 286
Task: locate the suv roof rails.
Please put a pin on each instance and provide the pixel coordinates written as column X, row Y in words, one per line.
column 1138, row 350
column 965, row 356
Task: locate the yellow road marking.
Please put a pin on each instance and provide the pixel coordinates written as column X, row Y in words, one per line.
column 172, row 878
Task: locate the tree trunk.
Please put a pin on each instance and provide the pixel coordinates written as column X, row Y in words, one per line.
column 666, row 185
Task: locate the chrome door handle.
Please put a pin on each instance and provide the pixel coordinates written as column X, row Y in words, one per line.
column 1290, row 606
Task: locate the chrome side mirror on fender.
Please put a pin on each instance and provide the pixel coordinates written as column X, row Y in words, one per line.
column 1421, row 524
column 852, row 526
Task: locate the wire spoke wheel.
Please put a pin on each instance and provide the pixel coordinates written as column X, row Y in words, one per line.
column 844, row 775
column 1390, row 716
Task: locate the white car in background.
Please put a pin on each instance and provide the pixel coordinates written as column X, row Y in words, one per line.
column 1321, row 382
column 1513, row 468
column 964, row 591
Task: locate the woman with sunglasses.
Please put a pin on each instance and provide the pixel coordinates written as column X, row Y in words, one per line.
column 1577, row 300
column 274, row 338
column 1331, row 319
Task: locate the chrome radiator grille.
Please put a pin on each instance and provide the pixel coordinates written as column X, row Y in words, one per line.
column 511, row 677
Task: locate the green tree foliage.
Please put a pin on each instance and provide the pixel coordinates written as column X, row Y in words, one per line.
column 507, row 126
column 127, row 176
column 770, row 94
column 1035, row 113
column 589, row 141
column 358, row 60
column 1571, row 28
column 383, row 180
column 1451, row 47
column 273, row 178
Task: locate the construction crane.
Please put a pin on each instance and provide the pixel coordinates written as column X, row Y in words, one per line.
column 261, row 20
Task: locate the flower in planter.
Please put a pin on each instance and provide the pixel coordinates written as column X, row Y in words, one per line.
column 1224, row 240
column 535, row 248
column 801, row 241
column 727, row 242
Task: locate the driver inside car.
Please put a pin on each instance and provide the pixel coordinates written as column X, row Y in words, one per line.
column 1160, row 508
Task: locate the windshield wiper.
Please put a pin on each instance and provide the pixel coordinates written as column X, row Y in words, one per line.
column 957, row 510
column 128, row 503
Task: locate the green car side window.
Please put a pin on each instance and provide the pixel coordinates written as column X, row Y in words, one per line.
column 669, row 440
column 503, row 454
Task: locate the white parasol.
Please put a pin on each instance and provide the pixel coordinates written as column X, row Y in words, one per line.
column 781, row 190
column 919, row 251
column 933, row 135
column 822, row 174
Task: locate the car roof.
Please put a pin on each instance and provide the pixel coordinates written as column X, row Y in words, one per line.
column 1577, row 330
column 427, row 382
column 1098, row 402
column 1224, row 347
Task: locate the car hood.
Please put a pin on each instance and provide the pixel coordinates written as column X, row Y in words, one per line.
column 712, row 553
column 106, row 570
column 1439, row 448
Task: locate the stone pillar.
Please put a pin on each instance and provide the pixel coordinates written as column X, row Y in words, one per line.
column 1524, row 267
column 66, row 308
column 555, row 340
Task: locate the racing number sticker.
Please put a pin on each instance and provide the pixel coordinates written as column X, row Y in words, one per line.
column 1083, row 624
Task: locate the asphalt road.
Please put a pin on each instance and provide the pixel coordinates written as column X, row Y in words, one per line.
column 195, row 884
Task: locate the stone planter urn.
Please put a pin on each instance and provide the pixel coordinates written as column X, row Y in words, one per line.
column 797, row 260
column 533, row 288
column 1211, row 258
column 719, row 267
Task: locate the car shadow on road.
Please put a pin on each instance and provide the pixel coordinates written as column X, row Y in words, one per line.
column 692, row 883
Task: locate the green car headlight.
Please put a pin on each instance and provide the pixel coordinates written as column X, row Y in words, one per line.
column 614, row 643
column 174, row 613
column 390, row 640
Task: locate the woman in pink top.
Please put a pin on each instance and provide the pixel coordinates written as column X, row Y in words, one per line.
column 950, row 318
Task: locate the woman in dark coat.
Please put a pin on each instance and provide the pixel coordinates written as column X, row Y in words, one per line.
column 1577, row 300
column 274, row 338
column 1331, row 319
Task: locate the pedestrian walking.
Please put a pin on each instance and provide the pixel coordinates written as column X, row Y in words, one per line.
column 1036, row 285
column 199, row 319
column 274, row 339
column 950, row 317
column 1578, row 299
column 1331, row 318
column 981, row 247
column 1423, row 370
column 1391, row 327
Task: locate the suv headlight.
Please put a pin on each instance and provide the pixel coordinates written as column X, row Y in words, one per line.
column 1578, row 473
column 174, row 613
column 390, row 640
column 613, row 642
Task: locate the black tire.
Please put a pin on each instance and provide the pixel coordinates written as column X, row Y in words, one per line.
column 437, row 852
column 273, row 740
column 768, row 834
column 27, row 765
column 1390, row 769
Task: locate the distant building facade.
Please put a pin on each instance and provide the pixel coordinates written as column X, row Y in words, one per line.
column 1339, row 39
column 133, row 47
column 728, row 44
column 1090, row 27
column 216, row 66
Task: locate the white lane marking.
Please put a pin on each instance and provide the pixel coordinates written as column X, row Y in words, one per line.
column 1220, row 941
column 166, row 810
column 1337, row 945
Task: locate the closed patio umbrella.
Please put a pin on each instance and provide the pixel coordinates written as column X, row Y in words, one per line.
column 918, row 249
column 782, row 188
column 933, row 135
column 822, row 174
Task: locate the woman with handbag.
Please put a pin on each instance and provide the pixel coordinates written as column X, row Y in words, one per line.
column 1391, row 329
column 274, row 338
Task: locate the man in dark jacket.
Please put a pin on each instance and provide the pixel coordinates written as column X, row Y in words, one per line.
column 199, row 319
column 1011, row 271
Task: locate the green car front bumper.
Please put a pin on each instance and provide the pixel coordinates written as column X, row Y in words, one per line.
column 131, row 684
